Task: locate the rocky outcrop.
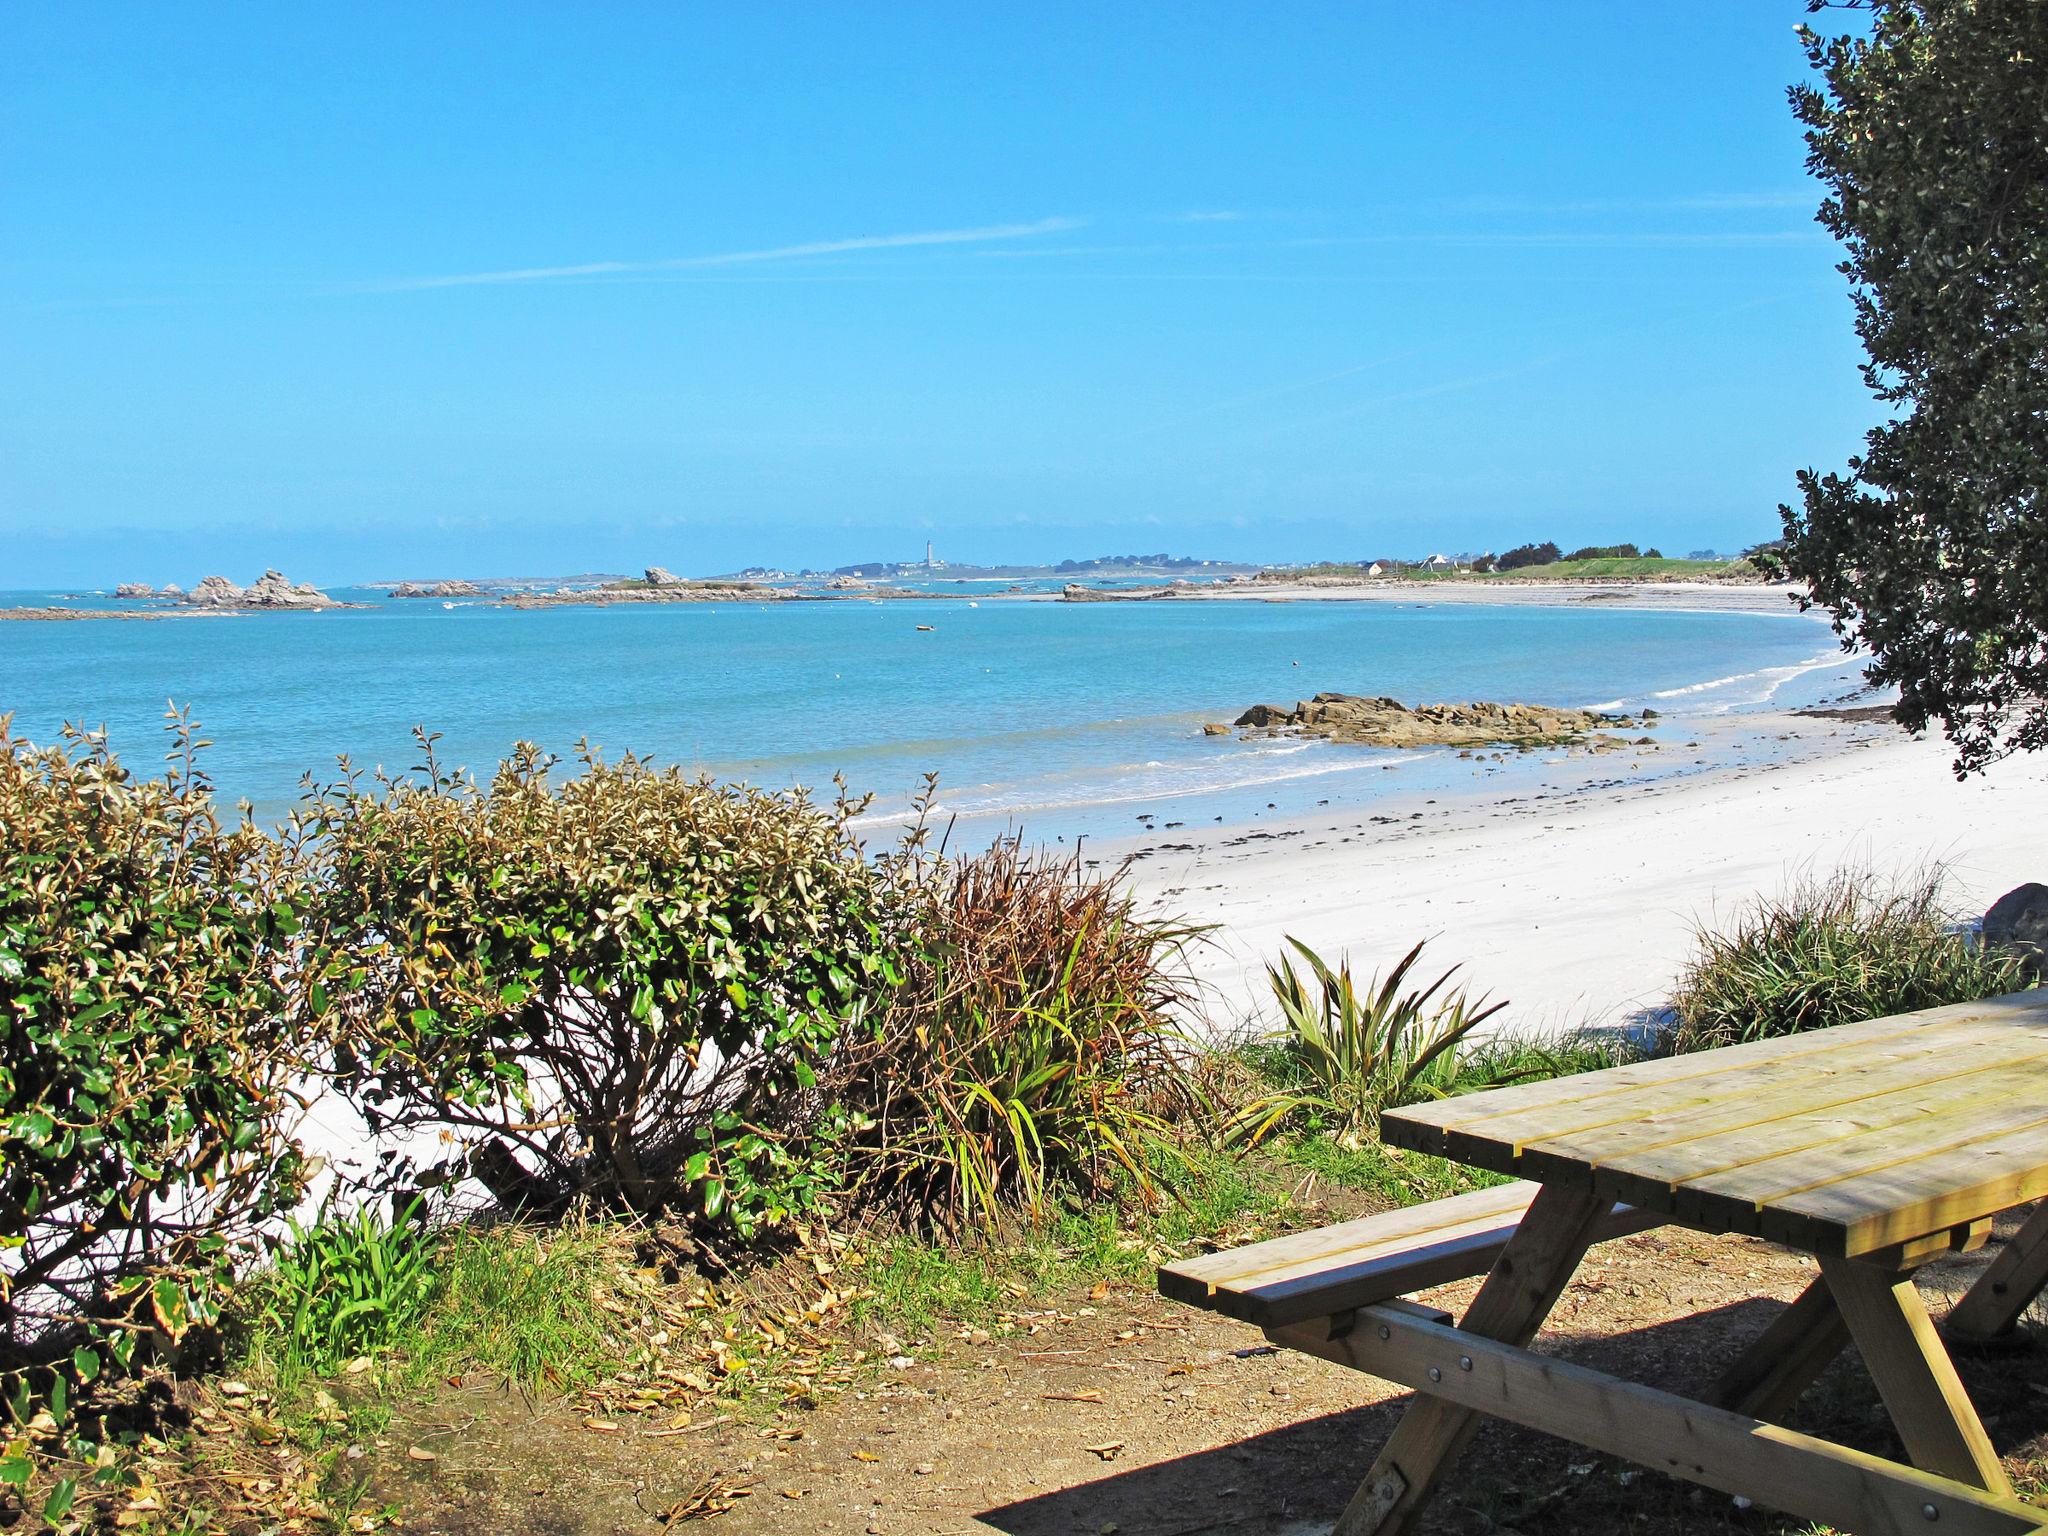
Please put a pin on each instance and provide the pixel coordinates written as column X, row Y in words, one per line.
column 1383, row 722
column 661, row 576
column 171, row 589
column 437, row 589
column 682, row 592
column 2018, row 921
column 1074, row 592
column 270, row 590
column 215, row 592
column 135, row 589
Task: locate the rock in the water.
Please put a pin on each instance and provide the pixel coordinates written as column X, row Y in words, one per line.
column 1265, row 716
column 135, row 589
column 2018, row 921
column 437, row 589
column 171, row 589
column 1384, row 722
column 660, row 576
column 270, row 590
column 1215, row 728
column 214, row 592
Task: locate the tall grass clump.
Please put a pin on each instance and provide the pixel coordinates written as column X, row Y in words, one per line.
column 344, row 1286
column 1854, row 945
column 1028, row 1046
column 1344, row 1052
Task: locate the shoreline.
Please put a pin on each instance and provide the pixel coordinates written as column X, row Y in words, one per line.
column 1578, row 906
column 1619, row 592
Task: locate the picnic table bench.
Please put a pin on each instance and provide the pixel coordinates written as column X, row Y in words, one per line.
column 1874, row 1147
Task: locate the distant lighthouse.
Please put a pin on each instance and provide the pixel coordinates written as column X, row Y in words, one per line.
column 929, row 563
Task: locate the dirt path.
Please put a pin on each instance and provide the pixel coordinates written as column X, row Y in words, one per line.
column 1130, row 1415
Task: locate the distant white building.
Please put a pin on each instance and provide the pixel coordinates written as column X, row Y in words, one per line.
column 1438, row 563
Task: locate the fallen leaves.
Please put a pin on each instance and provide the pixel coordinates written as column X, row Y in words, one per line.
column 1109, row 1450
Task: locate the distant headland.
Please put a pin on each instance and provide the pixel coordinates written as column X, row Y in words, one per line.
column 1102, row 578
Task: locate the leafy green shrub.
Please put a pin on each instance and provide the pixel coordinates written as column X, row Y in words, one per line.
column 345, row 1286
column 1833, row 951
column 1342, row 1054
column 616, row 987
column 1028, row 1044
column 148, row 951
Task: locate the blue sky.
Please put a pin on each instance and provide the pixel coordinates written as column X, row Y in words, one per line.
column 381, row 291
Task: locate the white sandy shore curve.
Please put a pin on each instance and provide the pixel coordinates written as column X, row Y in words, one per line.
column 1580, row 908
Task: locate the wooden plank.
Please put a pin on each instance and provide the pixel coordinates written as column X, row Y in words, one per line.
column 1592, row 1097
column 1347, row 1239
column 1671, row 1148
column 1886, row 1188
column 1355, row 1263
column 1999, row 1297
column 1320, row 1294
column 1768, row 1378
column 1519, row 1292
column 1914, row 1375
column 1760, row 1095
column 1732, row 1193
column 1804, row 1476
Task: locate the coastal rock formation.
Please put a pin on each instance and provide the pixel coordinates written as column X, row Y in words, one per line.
column 270, row 590
column 682, row 592
column 2018, row 921
column 215, row 592
column 1383, row 722
column 1074, row 592
column 437, row 589
column 171, row 589
column 661, row 576
column 135, row 589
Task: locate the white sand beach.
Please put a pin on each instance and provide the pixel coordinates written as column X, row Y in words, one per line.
column 1580, row 908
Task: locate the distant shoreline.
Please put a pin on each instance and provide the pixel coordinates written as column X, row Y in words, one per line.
column 1620, row 591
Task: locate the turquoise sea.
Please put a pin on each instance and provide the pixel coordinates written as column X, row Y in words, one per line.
column 1062, row 718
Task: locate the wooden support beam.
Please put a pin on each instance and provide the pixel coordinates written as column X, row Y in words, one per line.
column 1914, row 1374
column 1799, row 1474
column 1524, row 1284
column 2001, row 1295
column 1769, row 1377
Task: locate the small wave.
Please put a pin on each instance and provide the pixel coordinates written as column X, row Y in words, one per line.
column 1092, row 791
column 1779, row 677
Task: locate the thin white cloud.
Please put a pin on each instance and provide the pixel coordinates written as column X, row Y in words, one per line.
column 1209, row 216
column 589, row 269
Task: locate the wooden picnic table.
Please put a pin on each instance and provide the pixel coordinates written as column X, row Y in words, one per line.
column 1874, row 1147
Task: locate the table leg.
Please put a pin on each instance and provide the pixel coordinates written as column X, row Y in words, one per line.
column 1801, row 1342
column 1914, row 1374
column 2007, row 1287
column 1524, row 1284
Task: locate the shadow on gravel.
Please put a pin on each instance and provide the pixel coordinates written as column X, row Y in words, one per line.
column 1294, row 1481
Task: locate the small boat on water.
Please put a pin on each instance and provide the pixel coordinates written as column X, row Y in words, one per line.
column 924, row 629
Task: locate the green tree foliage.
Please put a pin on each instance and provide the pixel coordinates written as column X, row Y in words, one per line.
column 1610, row 552
column 1932, row 549
column 149, row 961
column 615, row 987
column 1546, row 553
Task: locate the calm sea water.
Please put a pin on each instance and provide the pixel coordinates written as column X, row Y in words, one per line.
column 1066, row 718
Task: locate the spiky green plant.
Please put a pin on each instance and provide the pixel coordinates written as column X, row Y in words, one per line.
column 345, row 1285
column 1853, row 945
column 1349, row 1052
column 1030, row 1043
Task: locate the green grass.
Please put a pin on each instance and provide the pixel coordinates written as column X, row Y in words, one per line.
column 1852, row 946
